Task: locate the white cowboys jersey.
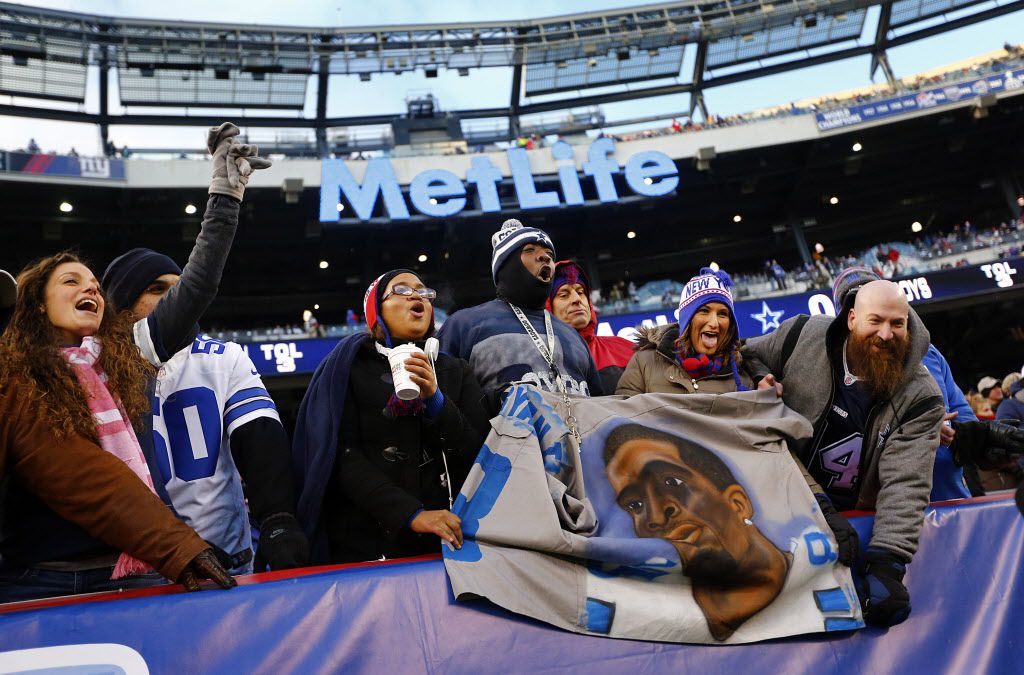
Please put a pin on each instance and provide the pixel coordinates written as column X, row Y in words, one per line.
column 203, row 393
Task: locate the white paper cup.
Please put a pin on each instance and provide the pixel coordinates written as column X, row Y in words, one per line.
column 405, row 388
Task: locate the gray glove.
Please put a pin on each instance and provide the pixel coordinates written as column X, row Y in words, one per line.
column 233, row 162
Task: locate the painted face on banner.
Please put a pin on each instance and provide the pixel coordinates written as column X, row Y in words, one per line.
column 667, row 499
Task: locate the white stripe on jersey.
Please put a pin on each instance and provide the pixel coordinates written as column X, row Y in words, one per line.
column 107, row 416
column 144, row 341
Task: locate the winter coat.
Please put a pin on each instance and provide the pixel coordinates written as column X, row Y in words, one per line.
column 901, row 432
column 654, row 368
column 66, row 499
column 386, row 469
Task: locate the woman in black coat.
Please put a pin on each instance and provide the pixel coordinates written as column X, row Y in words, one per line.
column 398, row 463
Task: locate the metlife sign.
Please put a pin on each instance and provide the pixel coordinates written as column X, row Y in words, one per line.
column 438, row 193
column 1009, row 80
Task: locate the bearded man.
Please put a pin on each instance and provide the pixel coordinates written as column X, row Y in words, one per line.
column 876, row 422
column 514, row 338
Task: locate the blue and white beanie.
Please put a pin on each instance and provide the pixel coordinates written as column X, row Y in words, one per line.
column 512, row 236
column 708, row 286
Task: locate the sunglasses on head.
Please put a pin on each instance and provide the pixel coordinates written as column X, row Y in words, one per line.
column 406, row 291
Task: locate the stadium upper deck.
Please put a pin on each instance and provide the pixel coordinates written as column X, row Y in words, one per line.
column 744, row 193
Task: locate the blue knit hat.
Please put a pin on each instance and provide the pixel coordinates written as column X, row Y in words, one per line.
column 708, row 286
column 512, row 236
column 129, row 274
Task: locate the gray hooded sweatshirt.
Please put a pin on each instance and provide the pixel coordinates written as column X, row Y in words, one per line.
column 901, row 432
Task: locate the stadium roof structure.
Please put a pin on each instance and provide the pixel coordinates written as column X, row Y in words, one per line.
column 45, row 54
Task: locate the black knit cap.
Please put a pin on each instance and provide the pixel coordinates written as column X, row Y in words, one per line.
column 129, row 274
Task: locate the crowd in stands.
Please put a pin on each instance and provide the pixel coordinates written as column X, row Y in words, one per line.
column 1012, row 58
column 928, row 253
column 104, row 490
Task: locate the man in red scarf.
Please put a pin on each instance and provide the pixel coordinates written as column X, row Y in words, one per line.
column 569, row 300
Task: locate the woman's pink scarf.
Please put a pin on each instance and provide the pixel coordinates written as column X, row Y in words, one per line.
column 113, row 428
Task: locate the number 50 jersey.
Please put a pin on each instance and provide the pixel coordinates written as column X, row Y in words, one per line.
column 203, row 393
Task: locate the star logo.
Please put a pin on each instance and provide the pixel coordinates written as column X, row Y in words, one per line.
column 769, row 319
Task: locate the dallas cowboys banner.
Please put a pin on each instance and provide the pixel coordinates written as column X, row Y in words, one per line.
column 678, row 518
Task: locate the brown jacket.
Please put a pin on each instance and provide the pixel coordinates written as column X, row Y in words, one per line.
column 88, row 486
column 655, row 370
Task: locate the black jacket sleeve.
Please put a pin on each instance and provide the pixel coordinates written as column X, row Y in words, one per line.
column 172, row 325
column 366, row 486
column 261, row 451
column 463, row 424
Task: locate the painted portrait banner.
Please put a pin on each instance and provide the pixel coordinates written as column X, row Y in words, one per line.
column 679, row 518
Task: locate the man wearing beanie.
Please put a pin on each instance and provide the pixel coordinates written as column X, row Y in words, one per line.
column 205, row 386
column 513, row 338
column 569, row 300
column 876, row 411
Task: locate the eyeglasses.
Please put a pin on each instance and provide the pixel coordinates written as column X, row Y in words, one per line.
column 406, row 291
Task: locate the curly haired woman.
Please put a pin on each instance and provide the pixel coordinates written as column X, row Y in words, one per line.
column 79, row 513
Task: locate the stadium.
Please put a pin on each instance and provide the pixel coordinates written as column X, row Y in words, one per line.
column 610, row 145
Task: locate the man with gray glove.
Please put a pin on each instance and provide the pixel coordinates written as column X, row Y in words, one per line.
column 216, row 379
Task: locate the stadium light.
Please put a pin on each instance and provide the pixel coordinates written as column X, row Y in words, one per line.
column 648, row 180
column 916, row 226
column 66, row 207
column 316, row 306
column 833, row 200
column 631, row 235
column 433, row 201
column 341, row 207
column 857, row 147
column 324, row 264
column 422, row 257
column 714, row 266
column 190, row 209
column 737, row 218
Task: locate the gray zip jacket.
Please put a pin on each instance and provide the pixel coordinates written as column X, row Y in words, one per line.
column 901, row 433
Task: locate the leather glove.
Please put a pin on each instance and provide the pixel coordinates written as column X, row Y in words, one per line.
column 283, row 544
column 883, row 597
column 989, row 445
column 233, row 162
column 205, row 566
column 845, row 534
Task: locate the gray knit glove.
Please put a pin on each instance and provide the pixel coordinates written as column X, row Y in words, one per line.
column 233, row 162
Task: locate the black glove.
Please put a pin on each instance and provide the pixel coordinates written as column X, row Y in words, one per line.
column 883, row 597
column 1019, row 497
column 205, row 566
column 846, row 536
column 989, row 445
column 283, row 544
